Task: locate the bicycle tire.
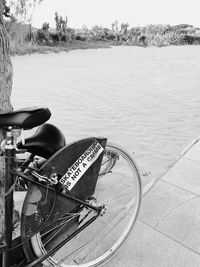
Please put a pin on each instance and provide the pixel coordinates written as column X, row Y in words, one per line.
column 120, row 190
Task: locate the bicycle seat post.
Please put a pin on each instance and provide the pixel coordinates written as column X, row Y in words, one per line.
column 10, row 148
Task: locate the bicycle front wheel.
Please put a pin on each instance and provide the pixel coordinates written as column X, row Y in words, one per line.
column 119, row 189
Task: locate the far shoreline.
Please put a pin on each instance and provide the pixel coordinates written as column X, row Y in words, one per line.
column 30, row 49
column 27, row 40
column 62, row 47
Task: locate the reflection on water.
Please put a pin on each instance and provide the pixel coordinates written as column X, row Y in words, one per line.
column 145, row 99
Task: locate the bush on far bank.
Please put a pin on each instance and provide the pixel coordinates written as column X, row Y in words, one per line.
column 25, row 36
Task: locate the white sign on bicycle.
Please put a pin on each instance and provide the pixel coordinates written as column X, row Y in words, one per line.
column 81, row 165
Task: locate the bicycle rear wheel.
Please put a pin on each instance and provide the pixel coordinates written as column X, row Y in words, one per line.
column 119, row 189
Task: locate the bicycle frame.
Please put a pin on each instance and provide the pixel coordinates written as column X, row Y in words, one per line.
column 59, row 200
column 10, row 152
column 97, row 209
column 10, row 149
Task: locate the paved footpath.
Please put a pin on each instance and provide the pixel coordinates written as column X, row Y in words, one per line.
column 167, row 233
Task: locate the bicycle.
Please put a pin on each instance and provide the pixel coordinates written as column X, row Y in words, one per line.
column 80, row 200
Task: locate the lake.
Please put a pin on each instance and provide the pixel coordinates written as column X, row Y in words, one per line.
column 147, row 100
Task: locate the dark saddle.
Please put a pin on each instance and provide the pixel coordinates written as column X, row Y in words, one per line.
column 25, row 118
column 45, row 142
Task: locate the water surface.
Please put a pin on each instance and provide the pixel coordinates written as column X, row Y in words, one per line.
column 144, row 99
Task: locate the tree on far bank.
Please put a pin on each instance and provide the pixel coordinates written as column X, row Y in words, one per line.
column 61, row 26
column 124, row 28
column 6, row 74
column 23, row 10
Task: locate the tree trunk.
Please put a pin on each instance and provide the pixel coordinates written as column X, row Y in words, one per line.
column 6, row 74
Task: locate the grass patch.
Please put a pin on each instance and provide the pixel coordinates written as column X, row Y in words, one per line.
column 58, row 47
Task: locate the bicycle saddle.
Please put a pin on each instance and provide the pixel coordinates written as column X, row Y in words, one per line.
column 45, row 142
column 25, row 118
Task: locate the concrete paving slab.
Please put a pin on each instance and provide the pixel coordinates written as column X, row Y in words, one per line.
column 167, row 232
column 18, row 200
column 161, row 201
column 194, row 152
column 182, row 224
column 185, row 174
column 147, row 247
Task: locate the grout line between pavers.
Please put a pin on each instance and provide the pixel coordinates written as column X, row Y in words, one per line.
column 171, row 238
column 181, row 155
column 153, row 182
column 173, row 209
column 193, row 160
column 177, row 186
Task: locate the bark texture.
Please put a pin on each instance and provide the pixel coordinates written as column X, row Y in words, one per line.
column 6, row 74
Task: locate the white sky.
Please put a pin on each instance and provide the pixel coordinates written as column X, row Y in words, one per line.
column 104, row 12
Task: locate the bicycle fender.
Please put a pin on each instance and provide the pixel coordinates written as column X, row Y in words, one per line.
column 43, row 207
column 77, row 166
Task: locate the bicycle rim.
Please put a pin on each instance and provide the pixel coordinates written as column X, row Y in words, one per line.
column 119, row 189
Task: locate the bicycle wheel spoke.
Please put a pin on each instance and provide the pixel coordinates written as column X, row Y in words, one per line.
column 116, row 197
column 105, row 234
column 60, row 225
column 118, row 189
